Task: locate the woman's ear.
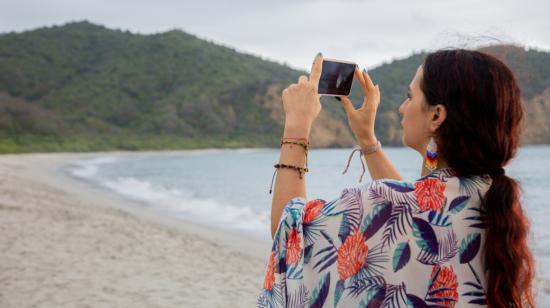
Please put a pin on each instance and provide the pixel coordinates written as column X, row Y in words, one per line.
column 439, row 114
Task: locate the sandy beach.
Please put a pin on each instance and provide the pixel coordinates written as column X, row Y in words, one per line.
column 66, row 245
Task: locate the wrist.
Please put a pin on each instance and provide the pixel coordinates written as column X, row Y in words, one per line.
column 296, row 130
column 368, row 142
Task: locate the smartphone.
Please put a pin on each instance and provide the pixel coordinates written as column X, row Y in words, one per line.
column 336, row 77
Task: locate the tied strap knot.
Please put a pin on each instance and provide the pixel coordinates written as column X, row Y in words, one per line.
column 361, row 154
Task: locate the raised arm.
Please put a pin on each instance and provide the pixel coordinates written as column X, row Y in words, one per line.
column 301, row 106
column 288, row 184
column 362, row 121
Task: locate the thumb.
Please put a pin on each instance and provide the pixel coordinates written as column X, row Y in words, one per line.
column 347, row 104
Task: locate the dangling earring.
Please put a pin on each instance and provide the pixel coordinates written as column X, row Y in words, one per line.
column 431, row 155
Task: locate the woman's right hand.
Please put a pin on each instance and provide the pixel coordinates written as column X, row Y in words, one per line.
column 362, row 120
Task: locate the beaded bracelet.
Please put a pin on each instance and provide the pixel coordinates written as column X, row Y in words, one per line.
column 304, row 145
column 301, row 171
column 277, row 166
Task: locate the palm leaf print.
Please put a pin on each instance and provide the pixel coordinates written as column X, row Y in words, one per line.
column 400, row 217
column 414, row 301
column 340, row 286
column 298, row 298
column 400, row 186
column 376, row 219
column 478, row 219
column 345, row 227
column 469, row 247
column 312, row 230
column 374, row 264
column 395, row 296
column 273, row 298
column 349, row 198
column 375, row 286
column 441, row 217
column 478, row 294
column 330, row 254
column 458, row 204
column 329, row 207
column 294, row 271
column 314, row 219
column 307, row 253
column 401, row 256
column 280, row 266
column 319, row 295
column 469, row 185
column 352, row 213
column 374, row 299
column 380, row 192
column 448, row 248
column 426, row 236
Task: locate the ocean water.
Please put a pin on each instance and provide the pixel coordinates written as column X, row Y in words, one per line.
column 229, row 189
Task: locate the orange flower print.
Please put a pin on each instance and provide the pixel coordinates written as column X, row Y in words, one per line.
column 443, row 290
column 312, row 209
column 293, row 247
column 430, row 194
column 269, row 279
column 352, row 255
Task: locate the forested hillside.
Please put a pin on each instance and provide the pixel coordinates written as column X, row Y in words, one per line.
column 83, row 87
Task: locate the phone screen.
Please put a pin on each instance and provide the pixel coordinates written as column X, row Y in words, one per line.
column 336, row 78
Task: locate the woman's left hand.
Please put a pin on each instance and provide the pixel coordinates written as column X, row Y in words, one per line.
column 301, row 101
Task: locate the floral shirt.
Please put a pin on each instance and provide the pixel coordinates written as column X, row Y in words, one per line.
column 388, row 243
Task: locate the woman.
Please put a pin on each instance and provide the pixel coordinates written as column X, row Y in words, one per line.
column 455, row 237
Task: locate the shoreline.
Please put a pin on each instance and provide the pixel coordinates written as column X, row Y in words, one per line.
column 57, row 228
column 54, row 176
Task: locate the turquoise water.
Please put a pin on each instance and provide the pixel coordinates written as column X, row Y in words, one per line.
column 229, row 189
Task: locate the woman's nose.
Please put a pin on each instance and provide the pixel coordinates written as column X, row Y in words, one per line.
column 402, row 107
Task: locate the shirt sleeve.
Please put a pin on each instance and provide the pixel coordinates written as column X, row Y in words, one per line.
column 315, row 248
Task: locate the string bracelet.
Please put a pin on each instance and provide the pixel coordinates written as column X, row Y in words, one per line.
column 362, row 154
column 290, row 138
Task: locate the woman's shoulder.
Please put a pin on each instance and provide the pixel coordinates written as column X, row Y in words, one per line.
column 438, row 189
column 434, row 187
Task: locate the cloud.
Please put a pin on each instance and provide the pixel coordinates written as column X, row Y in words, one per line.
column 367, row 32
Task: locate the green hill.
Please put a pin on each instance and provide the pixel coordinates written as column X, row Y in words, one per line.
column 83, row 87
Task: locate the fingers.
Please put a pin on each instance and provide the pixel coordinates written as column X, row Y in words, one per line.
column 367, row 79
column 347, row 104
column 359, row 76
column 289, row 88
column 361, row 79
column 316, row 68
column 302, row 79
column 374, row 96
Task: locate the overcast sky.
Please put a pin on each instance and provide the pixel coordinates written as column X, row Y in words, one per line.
column 292, row 32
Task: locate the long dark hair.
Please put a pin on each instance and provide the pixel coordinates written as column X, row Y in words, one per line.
column 481, row 133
